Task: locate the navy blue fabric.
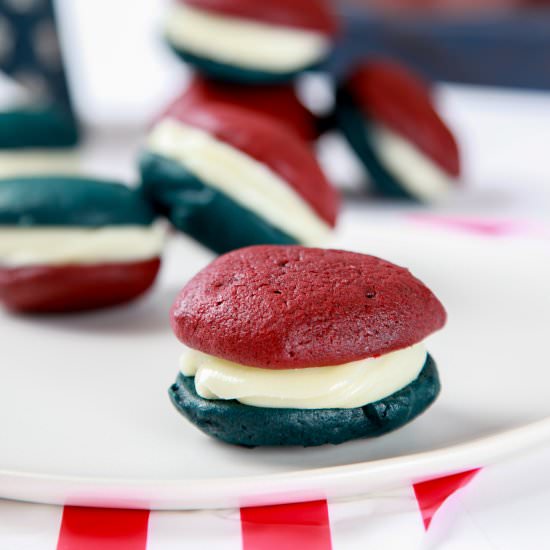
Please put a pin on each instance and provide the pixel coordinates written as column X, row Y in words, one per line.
column 30, row 55
column 29, row 26
column 496, row 50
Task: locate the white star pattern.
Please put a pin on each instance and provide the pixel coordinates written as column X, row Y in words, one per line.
column 35, row 84
column 12, row 94
column 45, row 44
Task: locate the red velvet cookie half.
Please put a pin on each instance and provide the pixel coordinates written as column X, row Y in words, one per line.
column 277, row 101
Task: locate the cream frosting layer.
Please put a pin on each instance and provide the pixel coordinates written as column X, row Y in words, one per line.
column 343, row 386
column 22, row 246
column 36, row 162
column 243, row 179
column 420, row 175
column 243, row 42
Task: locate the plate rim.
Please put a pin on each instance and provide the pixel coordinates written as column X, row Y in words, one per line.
column 345, row 481
column 342, row 481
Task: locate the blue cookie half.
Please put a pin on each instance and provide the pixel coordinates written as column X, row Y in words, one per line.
column 239, row 424
column 72, row 201
column 37, row 128
column 204, row 213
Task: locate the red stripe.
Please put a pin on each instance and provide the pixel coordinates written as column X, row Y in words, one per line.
column 103, row 529
column 303, row 526
column 430, row 495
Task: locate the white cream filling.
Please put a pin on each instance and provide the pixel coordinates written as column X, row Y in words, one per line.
column 343, row 386
column 420, row 176
column 242, row 42
column 243, row 179
column 36, row 162
column 21, row 246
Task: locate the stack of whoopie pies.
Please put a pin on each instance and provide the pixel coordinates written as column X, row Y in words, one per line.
column 230, row 161
column 239, row 140
column 288, row 345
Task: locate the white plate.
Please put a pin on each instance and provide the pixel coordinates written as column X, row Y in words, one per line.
column 85, row 418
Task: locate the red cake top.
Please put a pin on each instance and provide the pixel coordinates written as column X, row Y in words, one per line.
column 388, row 92
column 310, row 15
column 282, row 307
column 277, row 101
column 270, row 143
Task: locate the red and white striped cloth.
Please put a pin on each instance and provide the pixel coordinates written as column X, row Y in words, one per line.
column 501, row 507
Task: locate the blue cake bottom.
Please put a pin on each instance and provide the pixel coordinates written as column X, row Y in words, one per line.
column 204, row 213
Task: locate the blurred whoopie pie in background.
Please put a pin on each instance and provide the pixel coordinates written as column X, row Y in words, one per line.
column 388, row 116
column 231, row 177
column 251, row 41
column 71, row 244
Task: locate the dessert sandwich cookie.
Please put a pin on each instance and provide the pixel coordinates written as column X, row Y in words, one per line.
column 71, row 244
column 278, row 101
column 290, row 345
column 251, row 41
column 230, row 178
column 388, row 117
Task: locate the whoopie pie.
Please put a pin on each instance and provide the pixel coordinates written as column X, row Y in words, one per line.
column 388, row 116
column 251, row 41
column 71, row 244
column 288, row 345
column 230, row 178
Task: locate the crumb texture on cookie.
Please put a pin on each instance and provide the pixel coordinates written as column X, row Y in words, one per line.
column 283, row 307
